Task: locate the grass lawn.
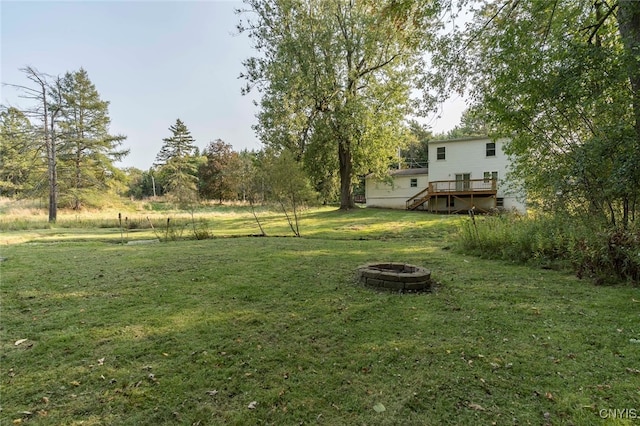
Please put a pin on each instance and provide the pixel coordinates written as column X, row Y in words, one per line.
column 275, row 330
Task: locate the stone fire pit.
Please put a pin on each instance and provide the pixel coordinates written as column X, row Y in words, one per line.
column 395, row 277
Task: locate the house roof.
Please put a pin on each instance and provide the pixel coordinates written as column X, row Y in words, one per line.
column 407, row 172
column 464, row 139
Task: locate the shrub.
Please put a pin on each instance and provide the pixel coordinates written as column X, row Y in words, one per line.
column 555, row 241
column 614, row 255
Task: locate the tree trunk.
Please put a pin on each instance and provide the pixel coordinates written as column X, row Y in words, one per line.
column 50, row 143
column 629, row 27
column 346, row 171
column 53, row 173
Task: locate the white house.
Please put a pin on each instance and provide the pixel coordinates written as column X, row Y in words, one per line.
column 463, row 174
column 394, row 195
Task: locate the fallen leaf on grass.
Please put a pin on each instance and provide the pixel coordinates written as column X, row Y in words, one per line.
column 19, row 342
column 212, row 392
column 252, row 405
column 476, row 407
column 633, row 370
column 101, row 361
column 379, row 408
column 549, row 396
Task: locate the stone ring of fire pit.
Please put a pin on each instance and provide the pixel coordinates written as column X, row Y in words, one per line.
column 395, row 277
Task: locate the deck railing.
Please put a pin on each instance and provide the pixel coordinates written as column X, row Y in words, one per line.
column 452, row 187
column 468, row 185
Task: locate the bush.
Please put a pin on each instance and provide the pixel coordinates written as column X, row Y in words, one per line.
column 615, row 254
column 555, row 241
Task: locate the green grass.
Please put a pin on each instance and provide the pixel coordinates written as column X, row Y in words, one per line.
column 193, row 332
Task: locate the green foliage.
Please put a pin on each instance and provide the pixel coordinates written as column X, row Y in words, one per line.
column 539, row 239
column 336, row 80
column 416, row 152
column 472, row 123
column 556, row 241
column 86, row 151
column 220, row 174
column 609, row 257
column 19, row 164
column 288, row 185
column 140, row 184
column 200, row 229
column 178, row 164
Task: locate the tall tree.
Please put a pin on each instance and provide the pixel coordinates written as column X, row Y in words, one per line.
column 336, row 78
column 45, row 112
column 19, row 153
column 217, row 174
column 178, row 163
column 87, row 151
column 558, row 79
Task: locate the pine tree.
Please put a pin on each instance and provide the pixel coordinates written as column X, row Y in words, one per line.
column 18, row 153
column 178, row 163
column 181, row 144
column 87, row 151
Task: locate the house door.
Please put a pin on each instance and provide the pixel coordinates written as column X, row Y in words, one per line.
column 463, row 181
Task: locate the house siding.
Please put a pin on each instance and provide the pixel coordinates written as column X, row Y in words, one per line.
column 469, row 156
column 393, row 196
column 461, row 156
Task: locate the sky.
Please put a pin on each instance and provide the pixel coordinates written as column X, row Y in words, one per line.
column 153, row 61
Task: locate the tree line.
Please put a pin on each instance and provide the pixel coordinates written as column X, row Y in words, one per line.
column 219, row 173
column 60, row 148
column 183, row 173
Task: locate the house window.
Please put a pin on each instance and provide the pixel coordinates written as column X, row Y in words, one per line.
column 414, row 182
column 490, row 176
column 440, row 153
column 463, row 181
column 491, row 149
column 500, row 202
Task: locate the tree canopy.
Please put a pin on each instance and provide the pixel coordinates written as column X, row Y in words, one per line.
column 178, row 161
column 86, row 150
column 336, row 78
column 219, row 174
column 18, row 153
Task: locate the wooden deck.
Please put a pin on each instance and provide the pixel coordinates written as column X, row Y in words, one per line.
column 450, row 190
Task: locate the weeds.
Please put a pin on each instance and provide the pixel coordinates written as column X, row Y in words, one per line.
column 613, row 255
column 555, row 242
